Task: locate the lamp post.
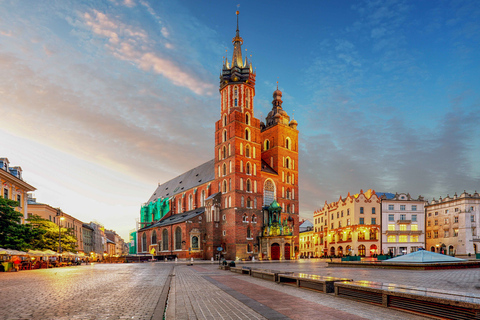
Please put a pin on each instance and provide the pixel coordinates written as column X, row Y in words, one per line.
column 60, row 230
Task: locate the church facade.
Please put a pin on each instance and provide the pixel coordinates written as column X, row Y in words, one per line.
column 243, row 203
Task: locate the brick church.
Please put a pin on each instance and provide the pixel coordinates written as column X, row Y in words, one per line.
column 242, row 204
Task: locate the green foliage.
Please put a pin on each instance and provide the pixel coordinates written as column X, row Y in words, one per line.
column 13, row 234
column 47, row 232
column 39, row 234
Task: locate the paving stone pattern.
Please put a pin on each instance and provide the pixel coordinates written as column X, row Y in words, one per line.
column 201, row 291
column 106, row 291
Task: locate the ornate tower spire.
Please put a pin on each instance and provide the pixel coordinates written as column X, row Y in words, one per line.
column 238, row 71
column 237, row 48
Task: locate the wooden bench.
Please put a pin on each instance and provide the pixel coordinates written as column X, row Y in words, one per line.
column 433, row 302
column 241, row 270
column 266, row 274
column 311, row 281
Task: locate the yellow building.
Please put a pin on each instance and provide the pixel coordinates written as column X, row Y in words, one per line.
column 306, row 245
column 350, row 226
column 13, row 187
column 47, row 212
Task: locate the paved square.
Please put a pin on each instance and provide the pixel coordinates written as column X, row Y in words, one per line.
column 201, row 291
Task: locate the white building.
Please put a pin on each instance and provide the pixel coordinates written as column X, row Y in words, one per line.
column 453, row 224
column 403, row 223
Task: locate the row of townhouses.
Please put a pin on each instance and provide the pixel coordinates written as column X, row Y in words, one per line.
column 92, row 238
column 370, row 223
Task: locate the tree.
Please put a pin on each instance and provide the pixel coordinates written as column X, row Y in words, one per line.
column 48, row 238
column 13, row 234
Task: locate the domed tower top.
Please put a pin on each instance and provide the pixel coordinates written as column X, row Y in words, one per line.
column 277, row 115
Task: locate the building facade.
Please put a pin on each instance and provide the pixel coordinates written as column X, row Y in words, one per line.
column 453, row 224
column 47, row 212
column 13, row 187
column 350, row 226
column 99, row 242
column 244, row 202
column 87, row 232
column 403, row 223
column 308, row 240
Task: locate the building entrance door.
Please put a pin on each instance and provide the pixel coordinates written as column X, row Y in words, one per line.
column 275, row 251
column 287, row 251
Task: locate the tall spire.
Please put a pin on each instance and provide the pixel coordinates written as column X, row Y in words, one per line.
column 237, row 48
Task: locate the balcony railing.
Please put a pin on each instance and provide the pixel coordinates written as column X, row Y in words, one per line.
column 404, row 221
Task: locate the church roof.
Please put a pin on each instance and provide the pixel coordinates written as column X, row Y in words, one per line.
column 190, row 179
column 267, row 168
column 176, row 218
column 424, row 256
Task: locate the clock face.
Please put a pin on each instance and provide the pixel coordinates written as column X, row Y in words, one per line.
column 235, row 78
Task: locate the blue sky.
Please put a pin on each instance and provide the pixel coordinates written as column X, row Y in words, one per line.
column 103, row 100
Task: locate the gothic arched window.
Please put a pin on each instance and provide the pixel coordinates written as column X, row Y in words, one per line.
column 268, row 192
column 266, row 145
column 154, row 237
column 144, row 242
column 165, row 239
column 178, row 238
column 247, row 134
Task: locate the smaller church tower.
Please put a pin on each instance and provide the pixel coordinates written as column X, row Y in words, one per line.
column 279, row 136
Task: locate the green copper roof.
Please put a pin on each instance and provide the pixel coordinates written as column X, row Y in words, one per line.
column 274, row 205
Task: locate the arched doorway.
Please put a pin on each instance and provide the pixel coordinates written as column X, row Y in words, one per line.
column 450, row 250
column 340, row 251
column 348, row 250
column 373, row 249
column 287, row 251
column 432, row 249
column 332, row 251
column 275, row 251
column 361, row 250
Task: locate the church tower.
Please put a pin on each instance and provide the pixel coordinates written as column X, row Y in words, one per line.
column 279, row 136
column 238, row 157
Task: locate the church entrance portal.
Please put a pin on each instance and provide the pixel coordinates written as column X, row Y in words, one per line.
column 275, row 251
column 287, row 251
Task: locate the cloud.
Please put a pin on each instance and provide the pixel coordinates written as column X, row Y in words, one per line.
column 132, row 44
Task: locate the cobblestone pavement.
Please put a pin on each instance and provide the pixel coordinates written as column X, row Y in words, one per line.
column 201, row 291
column 277, row 301
column 101, row 291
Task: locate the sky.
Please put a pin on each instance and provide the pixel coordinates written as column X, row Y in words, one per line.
column 101, row 101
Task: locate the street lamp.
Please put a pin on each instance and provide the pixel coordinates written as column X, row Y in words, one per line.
column 60, row 230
